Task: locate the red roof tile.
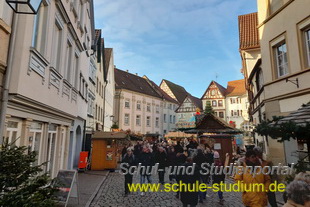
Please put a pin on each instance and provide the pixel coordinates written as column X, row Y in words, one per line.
column 248, row 31
column 236, row 88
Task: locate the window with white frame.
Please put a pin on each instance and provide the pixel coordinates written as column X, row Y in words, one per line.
column 127, row 103
column 148, row 121
column 173, row 119
column 157, row 109
column 126, row 119
column 12, row 133
column 68, row 67
column 139, row 105
column 75, row 70
column 92, row 70
column 280, row 57
column 39, row 37
column 221, row 114
column 62, row 147
column 51, row 147
column 148, row 107
column 170, row 119
column 156, row 122
column 91, row 100
column 214, row 103
column 35, row 137
column 165, row 118
column 306, row 40
column 220, row 102
column 81, row 15
column 138, row 120
column 57, row 42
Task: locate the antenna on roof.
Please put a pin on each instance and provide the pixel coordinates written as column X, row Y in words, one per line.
column 216, row 76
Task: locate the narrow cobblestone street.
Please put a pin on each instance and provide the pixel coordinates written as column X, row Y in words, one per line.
column 112, row 194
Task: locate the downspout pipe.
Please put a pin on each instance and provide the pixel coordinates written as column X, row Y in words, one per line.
column 7, row 77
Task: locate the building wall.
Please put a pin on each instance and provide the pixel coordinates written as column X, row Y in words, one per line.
column 5, row 31
column 241, row 105
column 120, row 110
column 186, row 111
column 171, row 117
column 49, row 82
column 99, row 99
column 215, row 96
column 109, row 96
column 284, row 25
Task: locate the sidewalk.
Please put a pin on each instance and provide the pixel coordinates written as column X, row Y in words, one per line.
column 89, row 183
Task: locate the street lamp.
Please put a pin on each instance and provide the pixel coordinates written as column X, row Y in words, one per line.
column 24, row 6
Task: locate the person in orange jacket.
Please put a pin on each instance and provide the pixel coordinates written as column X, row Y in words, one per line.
column 256, row 197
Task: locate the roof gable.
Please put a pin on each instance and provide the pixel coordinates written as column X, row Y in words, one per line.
column 178, row 91
column 164, row 95
column 191, row 99
column 213, row 84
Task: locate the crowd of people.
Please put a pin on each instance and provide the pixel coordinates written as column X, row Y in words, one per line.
column 178, row 155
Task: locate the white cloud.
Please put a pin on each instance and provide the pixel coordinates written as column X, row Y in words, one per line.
column 173, row 38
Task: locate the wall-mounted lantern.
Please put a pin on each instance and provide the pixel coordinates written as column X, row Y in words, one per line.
column 24, row 6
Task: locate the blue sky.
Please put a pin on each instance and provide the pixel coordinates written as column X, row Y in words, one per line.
column 189, row 42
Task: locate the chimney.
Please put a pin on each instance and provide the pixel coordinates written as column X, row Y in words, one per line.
column 127, row 71
column 136, row 74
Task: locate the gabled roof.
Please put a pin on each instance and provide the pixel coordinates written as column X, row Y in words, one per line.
column 179, row 92
column 221, row 88
column 107, row 56
column 236, row 88
column 126, row 80
column 98, row 45
column 248, row 31
column 196, row 101
column 164, row 95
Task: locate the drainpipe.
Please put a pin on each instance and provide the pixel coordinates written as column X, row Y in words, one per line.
column 7, row 77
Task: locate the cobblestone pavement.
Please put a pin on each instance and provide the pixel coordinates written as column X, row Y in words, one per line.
column 112, row 194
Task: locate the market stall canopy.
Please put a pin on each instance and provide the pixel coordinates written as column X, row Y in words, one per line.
column 210, row 124
column 177, row 135
column 110, row 135
column 300, row 117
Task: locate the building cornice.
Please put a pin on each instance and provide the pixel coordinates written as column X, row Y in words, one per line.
column 275, row 13
column 26, row 104
column 288, row 76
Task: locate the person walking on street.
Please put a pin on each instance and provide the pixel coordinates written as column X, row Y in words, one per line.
column 188, row 197
column 217, row 179
column 128, row 158
column 257, row 198
column 147, row 160
column 161, row 159
column 171, row 161
column 271, row 195
column 199, row 159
